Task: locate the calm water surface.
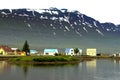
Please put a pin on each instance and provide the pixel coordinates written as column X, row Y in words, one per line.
column 88, row 70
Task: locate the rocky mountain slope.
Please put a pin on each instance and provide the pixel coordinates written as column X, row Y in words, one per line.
column 57, row 28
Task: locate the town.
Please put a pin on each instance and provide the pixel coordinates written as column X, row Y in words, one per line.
column 8, row 51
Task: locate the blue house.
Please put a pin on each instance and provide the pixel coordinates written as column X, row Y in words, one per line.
column 50, row 51
column 69, row 51
column 33, row 51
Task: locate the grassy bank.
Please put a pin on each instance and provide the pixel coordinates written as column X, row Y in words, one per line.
column 53, row 59
column 44, row 60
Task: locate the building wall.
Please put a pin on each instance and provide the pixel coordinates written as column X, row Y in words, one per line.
column 2, row 52
column 50, row 51
column 80, row 52
column 91, row 52
column 70, row 52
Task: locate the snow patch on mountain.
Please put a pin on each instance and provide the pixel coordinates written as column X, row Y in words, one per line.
column 67, row 28
column 95, row 24
column 85, row 29
column 99, row 32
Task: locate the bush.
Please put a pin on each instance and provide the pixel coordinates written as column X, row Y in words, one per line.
column 45, row 59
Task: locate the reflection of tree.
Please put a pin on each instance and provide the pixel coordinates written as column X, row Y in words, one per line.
column 25, row 69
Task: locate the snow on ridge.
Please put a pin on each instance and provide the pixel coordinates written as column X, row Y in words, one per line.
column 82, row 17
column 66, row 19
column 29, row 26
column 85, row 29
column 32, row 10
column 53, row 18
column 42, row 10
column 51, row 24
column 89, row 25
column 23, row 15
column 78, row 33
column 108, row 29
column 42, row 17
column 94, row 22
column 45, row 10
column 75, row 23
column 55, row 12
column 99, row 32
column 10, row 10
column 4, row 13
column 67, row 28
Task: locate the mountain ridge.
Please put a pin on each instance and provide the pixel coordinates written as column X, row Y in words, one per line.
column 53, row 26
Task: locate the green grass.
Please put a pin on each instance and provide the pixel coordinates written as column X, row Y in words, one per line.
column 45, row 59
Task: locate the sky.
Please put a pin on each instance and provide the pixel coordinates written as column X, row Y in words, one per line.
column 101, row 10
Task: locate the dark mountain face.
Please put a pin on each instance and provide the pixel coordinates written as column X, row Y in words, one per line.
column 54, row 28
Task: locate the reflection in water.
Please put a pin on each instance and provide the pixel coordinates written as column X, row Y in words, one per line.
column 4, row 66
column 87, row 70
column 25, row 70
column 116, row 61
column 91, row 65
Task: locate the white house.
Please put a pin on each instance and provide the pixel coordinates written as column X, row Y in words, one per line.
column 80, row 52
column 51, row 52
column 69, row 51
column 91, row 52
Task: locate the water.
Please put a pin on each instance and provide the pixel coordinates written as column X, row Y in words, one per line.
column 87, row 70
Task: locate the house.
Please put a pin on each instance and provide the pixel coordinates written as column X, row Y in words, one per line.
column 5, row 50
column 50, row 52
column 33, row 51
column 14, row 50
column 21, row 53
column 80, row 52
column 69, row 51
column 91, row 52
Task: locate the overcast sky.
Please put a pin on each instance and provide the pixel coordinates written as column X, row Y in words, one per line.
column 102, row 10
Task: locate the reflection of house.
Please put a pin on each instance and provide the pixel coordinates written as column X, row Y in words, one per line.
column 91, row 65
column 4, row 66
column 91, row 52
column 5, row 50
column 69, row 51
column 50, row 51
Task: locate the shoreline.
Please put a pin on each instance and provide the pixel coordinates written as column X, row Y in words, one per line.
column 43, row 63
column 51, row 60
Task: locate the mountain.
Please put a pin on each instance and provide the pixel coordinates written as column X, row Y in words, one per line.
column 57, row 28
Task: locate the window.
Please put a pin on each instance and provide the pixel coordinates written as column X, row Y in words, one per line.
column 47, row 53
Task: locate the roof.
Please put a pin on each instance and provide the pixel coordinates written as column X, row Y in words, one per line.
column 6, row 48
column 68, row 50
column 50, row 50
column 14, row 49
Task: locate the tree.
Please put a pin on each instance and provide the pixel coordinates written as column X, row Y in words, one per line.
column 76, row 50
column 26, row 48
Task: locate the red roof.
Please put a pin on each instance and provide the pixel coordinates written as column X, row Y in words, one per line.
column 6, row 48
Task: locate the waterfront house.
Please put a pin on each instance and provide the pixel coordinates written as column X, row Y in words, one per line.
column 69, row 51
column 91, row 52
column 33, row 52
column 21, row 53
column 5, row 50
column 51, row 52
column 14, row 50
